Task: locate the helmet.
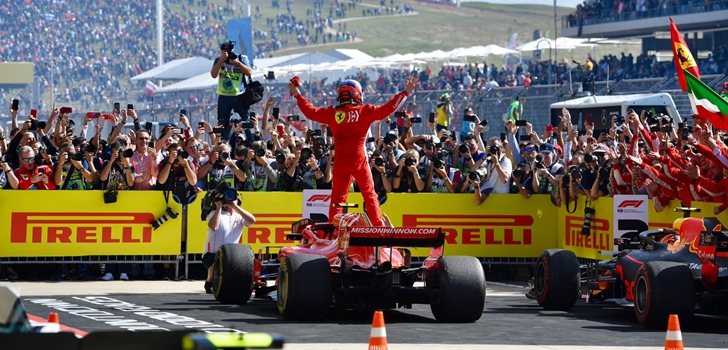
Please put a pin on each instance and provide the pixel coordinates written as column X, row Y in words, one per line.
column 445, row 97
column 350, row 92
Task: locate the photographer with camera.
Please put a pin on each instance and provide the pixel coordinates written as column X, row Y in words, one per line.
column 468, row 157
column 230, row 70
column 547, row 173
column 303, row 173
column 380, row 175
column 498, row 172
column 176, row 174
column 73, row 170
column 261, row 172
column 438, row 177
column 407, row 177
column 224, row 226
column 117, row 173
column 144, row 162
column 31, row 175
column 219, row 167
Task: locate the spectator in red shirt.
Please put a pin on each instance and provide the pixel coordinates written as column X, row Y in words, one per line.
column 32, row 176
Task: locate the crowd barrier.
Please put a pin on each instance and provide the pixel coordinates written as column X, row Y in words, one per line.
column 79, row 223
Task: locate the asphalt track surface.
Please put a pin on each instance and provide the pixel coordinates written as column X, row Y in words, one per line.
column 509, row 318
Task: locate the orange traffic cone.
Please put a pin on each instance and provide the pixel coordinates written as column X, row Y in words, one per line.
column 53, row 318
column 673, row 338
column 378, row 335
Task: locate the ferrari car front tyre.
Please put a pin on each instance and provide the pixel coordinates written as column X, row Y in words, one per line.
column 460, row 281
column 232, row 274
column 556, row 279
column 304, row 287
column 662, row 288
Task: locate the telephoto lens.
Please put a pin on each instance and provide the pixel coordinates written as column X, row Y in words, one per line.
column 260, row 152
column 225, row 155
column 127, row 153
column 183, row 154
column 409, row 162
column 463, row 149
column 378, row 161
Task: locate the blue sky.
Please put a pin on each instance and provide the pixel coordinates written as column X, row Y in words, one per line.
column 560, row 3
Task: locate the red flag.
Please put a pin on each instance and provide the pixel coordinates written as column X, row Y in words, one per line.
column 682, row 57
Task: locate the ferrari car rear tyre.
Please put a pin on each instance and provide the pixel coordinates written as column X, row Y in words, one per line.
column 556, row 279
column 232, row 274
column 460, row 281
column 304, row 287
column 662, row 288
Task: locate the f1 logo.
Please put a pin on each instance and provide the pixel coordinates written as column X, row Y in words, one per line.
column 319, row 198
column 630, row 204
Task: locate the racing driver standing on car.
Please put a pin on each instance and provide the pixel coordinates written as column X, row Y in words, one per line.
column 349, row 123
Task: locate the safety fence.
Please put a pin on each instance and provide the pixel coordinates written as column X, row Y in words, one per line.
column 78, row 227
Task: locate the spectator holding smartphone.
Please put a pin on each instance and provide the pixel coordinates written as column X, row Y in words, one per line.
column 32, row 176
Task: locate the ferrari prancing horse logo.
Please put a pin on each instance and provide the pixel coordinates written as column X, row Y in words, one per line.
column 339, row 117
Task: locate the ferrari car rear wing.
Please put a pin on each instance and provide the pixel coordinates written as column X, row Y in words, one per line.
column 396, row 236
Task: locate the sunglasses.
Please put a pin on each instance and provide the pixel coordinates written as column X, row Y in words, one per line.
column 29, row 159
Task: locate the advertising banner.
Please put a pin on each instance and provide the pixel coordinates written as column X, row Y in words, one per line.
column 630, row 215
column 79, row 223
column 595, row 241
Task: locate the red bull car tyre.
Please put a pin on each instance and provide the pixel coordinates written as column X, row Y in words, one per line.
column 557, row 280
column 663, row 288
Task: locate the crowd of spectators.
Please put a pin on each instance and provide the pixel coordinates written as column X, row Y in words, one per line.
column 76, row 45
column 641, row 153
column 598, row 11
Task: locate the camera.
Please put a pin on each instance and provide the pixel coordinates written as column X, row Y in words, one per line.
column 469, row 118
column 260, row 152
column 477, row 174
column 280, row 158
column 42, row 124
column 574, row 172
column 463, row 149
column 417, row 120
column 589, row 158
column 518, row 173
column 229, row 46
column 218, row 130
column 33, row 125
column 294, row 118
column 437, row 163
column 111, row 196
column 90, row 148
column 182, row 154
column 225, row 155
column 127, row 153
column 169, row 214
column 77, row 156
column 389, row 138
column 603, row 172
column 521, row 122
column 494, row 150
column 306, row 153
column 378, row 161
column 409, row 162
column 400, row 114
column 588, row 216
column 270, row 75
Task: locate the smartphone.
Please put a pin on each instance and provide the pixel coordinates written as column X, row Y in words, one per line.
column 521, row 122
column 129, row 106
column 108, row 117
column 431, row 118
column 117, row 107
column 317, row 132
column 248, row 125
column 148, row 126
column 218, row 130
column 483, row 122
column 16, row 104
column 66, row 110
column 370, row 139
column 276, row 112
column 33, row 112
column 183, row 112
column 416, row 120
column 176, row 131
column 252, row 114
column 280, row 130
column 201, row 125
column 469, row 118
column 294, row 118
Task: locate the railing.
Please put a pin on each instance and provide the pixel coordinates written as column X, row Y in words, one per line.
column 629, row 13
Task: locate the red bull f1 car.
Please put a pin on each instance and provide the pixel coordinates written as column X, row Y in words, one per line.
column 680, row 270
column 351, row 264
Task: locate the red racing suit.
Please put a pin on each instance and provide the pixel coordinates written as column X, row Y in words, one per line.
column 349, row 125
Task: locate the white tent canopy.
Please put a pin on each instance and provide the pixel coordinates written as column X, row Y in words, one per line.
column 179, row 69
column 546, row 43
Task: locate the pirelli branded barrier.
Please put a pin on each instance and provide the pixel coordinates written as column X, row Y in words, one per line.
column 79, row 223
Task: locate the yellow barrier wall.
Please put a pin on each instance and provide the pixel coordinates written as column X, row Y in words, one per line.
column 78, row 223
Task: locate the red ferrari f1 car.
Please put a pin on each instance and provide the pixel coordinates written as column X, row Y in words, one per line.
column 351, row 264
column 680, row 270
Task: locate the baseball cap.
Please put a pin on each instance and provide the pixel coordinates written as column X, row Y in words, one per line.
column 546, row 148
